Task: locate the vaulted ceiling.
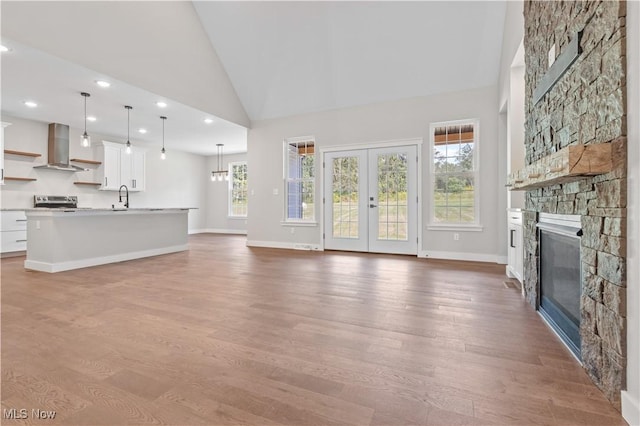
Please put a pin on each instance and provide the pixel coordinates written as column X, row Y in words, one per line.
column 287, row 58
column 243, row 61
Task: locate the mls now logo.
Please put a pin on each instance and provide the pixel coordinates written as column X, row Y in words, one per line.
column 23, row 413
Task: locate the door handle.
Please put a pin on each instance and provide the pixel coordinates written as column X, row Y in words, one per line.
column 511, row 232
column 372, row 206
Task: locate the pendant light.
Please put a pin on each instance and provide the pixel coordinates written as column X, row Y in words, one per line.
column 219, row 174
column 128, row 149
column 85, row 141
column 163, row 154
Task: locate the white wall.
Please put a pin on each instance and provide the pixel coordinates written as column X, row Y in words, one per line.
column 631, row 397
column 515, row 136
column 179, row 181
column 217, row 204
column 512, row 36
column 511, row 93
column 404, row 119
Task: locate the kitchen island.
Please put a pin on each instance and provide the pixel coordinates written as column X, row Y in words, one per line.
column 65, row 239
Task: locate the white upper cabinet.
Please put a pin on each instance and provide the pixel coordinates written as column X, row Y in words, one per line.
column 136, row 160
column 111, row 166
column 122, row 168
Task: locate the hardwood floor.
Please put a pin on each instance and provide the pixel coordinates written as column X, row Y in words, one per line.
column 225, row 334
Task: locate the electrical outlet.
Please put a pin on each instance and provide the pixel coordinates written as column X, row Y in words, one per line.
column 456, row 237
column 37, row 224
column 275, row 191
column 552, row 55
column 293, row 230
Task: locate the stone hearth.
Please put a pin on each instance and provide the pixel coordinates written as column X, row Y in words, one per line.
column 587, row 105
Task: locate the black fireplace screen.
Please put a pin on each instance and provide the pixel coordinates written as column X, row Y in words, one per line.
column 560, row 285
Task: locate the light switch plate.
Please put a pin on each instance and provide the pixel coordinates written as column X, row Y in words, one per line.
column 275, row 191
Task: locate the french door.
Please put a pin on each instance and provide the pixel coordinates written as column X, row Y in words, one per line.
column 370, row 200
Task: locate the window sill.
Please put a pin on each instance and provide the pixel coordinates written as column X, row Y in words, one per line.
column 455, row 227
column 237, row 217
column 298, row 223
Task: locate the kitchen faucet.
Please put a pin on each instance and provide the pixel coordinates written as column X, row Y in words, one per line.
column 126, row 204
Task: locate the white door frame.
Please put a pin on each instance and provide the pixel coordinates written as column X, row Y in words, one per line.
column 418, row 142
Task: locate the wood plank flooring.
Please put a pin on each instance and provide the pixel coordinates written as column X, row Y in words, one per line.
column 225, row 334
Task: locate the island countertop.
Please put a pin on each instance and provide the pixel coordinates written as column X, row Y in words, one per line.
column 82, row 211
column 71, row 209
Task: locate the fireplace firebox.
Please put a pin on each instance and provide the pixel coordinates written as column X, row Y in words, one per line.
column 560, row 276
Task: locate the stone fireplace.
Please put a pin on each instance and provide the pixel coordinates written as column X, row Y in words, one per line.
column 585, row 105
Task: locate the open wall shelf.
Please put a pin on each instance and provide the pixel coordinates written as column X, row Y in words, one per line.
column 80, row 160
column 19, row 179
column 87, row 183
column 22, row 153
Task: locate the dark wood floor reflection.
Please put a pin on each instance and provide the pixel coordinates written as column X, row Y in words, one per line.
column 225, row 334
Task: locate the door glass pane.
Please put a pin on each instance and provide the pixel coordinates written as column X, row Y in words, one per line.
column 392, row 197
column 344, row 188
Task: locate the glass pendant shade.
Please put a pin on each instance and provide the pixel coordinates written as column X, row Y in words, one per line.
column 85, row 141
column 163, row 154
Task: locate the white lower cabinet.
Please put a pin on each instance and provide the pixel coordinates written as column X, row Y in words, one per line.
column 13, row 234
column 515, row 251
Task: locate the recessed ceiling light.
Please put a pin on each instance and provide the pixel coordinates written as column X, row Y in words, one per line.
column 103, row 83
column 30, row 104
column 161, row 104
column 143, row 131
column 208, row 120
column 91, row 118
column 4, row 48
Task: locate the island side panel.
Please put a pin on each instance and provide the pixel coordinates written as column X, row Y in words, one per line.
column 60, row 241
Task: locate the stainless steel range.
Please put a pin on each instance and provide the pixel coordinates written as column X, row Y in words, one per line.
column 56, row 201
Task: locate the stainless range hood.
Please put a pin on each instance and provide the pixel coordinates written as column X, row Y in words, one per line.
column 59, row 150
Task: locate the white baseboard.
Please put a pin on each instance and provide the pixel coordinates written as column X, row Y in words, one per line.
column 218, row 231
column 95, row 261
column 283, row 245
column 630, row 409
column 471, row 257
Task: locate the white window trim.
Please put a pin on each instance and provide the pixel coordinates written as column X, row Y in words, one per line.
column 230, row 214
column 476, row 226
column 285, row 171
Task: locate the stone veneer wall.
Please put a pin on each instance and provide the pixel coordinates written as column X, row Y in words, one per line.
column 587, row 105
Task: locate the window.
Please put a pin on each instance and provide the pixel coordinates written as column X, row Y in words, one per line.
column 299, row 164
column 454, row 173
column 238, row 189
